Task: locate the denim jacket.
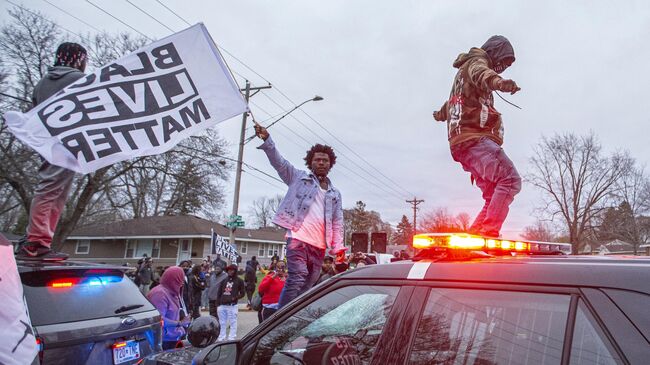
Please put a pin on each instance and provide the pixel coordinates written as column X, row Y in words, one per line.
column 302, row 189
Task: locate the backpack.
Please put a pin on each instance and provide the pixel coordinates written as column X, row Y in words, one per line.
column 256, row 302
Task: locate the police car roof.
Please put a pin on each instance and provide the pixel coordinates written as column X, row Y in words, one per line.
column 575, row 271
column 36, row 265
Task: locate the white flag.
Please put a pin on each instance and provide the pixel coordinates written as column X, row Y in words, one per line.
column 142, row 104
column 18, row 345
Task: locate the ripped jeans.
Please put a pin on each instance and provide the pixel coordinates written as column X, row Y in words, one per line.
column 495, row 175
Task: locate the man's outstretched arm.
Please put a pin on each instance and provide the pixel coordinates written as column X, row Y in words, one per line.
column 285, row 169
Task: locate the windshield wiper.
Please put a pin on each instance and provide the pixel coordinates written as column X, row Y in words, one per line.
column 126, row 308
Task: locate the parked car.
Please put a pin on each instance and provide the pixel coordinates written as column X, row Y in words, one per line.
column 88, row 314
column 512, row 303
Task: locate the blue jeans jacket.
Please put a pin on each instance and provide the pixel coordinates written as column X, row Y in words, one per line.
column 302, row 189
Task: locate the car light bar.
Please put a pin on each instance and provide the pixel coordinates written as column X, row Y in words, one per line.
column 91, row 281
column 464, row 241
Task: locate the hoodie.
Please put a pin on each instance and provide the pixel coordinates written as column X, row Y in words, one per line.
column 55, row 80
column 166, row 297
column 470, row 111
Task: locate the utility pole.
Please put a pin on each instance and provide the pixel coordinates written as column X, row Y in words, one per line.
column 240, row 158
column 415, row 202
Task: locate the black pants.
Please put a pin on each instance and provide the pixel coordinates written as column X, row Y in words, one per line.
column 213, row 309
column 196, row 306
column 265, row 313
column 250, row 289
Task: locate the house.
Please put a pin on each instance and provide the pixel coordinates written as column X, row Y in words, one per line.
column 615, row 247
column 168, row 240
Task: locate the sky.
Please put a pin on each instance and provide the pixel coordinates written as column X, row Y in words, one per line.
column 383, row 67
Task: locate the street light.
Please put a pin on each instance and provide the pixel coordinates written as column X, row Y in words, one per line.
column 315, row 98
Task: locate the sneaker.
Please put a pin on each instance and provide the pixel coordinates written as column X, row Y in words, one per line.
column 34, row 251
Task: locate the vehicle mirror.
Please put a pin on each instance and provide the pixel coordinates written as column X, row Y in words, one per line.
column 223, row 353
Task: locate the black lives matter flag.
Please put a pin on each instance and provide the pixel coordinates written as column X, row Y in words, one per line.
column 221, row 246
column 142, row 104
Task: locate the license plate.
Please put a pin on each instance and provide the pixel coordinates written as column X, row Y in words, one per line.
column 126, row 353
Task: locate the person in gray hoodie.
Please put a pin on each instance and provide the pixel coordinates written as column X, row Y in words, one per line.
column 214, row 283
column 54, row 183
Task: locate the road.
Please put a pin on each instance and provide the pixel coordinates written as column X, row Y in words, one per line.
column 246, row 320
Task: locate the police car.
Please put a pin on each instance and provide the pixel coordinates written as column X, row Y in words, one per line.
column 462, row 300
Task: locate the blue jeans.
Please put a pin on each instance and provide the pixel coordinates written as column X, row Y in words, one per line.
column 304, row 263
column 495, row 175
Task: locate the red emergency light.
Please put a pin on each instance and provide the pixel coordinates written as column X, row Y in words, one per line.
column 465, row 241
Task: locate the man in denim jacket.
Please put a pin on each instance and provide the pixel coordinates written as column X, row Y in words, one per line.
column 311, row 212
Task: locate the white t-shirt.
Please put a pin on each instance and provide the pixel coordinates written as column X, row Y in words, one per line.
column 312, row 230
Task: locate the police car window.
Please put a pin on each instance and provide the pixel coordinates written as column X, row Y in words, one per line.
column 342, row 327
column 490, row 327
column 589, row 345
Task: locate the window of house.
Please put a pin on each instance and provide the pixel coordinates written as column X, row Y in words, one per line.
column 270, row 250
column 130, row 248
column 83, row 247
column 243, row 249
column 155, row 250
column 260, row 251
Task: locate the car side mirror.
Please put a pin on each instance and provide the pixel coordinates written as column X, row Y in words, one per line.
column 222, row 353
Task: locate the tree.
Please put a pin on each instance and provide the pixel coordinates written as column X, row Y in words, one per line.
column 440, row 220
column 403, row 233
column 540, row 231
column 263, row 209
column 576, row 180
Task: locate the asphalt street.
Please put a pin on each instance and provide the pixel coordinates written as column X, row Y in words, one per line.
column 246, row 320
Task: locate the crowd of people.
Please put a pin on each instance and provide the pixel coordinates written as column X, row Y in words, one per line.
column 181, row 293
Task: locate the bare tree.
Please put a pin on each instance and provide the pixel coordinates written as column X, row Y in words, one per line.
column 441, row 220
column 540, row 231
column 263, row 209
column 576, row 180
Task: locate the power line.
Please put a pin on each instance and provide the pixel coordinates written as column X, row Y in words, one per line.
column 343, row 143
column 44, row 18
column 72, row 15
column 151, row 16
column 173, row 12
column 264, row 180
column 119, row 20
column 399, row 194
column 371, row 182
column 307, row 114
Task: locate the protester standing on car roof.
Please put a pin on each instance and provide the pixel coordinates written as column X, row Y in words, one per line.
column 230, row 291
column 167, row 298
column 54, row 182
column 311, row 212
column 475, row 129
column 197, row 285
column 214, row 285
column 270, row 289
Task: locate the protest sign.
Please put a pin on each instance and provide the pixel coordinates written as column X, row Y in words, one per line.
column 142, row 104
column 221, row 246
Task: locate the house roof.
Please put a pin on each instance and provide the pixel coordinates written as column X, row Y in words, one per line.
column 173, row 226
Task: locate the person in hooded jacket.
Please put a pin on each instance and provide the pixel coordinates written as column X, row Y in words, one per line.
column 475, row 129
column 54, row 182
column 167, row 298
column 230, row 291
column 197, row 285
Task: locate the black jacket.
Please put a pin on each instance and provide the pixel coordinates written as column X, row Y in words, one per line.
column 231, row 290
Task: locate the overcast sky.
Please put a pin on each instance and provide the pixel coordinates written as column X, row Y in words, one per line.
column 384, row 66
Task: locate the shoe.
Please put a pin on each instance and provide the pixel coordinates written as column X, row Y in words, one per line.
column 33, row 251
